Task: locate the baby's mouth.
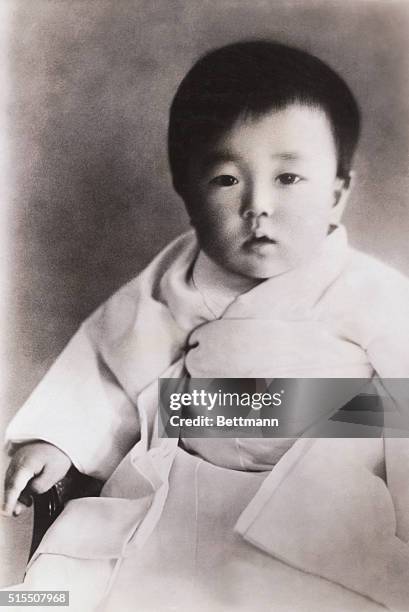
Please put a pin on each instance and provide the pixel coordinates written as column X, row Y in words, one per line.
column 258, row 242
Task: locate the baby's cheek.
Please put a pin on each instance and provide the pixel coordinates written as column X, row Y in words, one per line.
column 223, row 240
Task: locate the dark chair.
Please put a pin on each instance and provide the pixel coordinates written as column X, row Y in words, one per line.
column 49, row 505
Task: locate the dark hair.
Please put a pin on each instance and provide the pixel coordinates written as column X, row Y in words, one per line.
column 250, row 79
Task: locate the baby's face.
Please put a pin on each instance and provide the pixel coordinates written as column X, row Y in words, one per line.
column 264, row 194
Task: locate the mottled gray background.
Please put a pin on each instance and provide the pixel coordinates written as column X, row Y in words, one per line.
column 90, row 193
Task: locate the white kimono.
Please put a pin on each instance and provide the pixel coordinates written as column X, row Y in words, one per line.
column 324, row 509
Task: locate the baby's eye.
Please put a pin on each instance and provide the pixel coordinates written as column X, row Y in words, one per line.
column 224, row 180
column 287, row 178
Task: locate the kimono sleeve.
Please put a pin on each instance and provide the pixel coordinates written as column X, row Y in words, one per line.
column 387, row 344
column 80, row 407
column 388, row 351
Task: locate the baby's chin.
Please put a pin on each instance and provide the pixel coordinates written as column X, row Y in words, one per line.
column 253, row 266
column 252, row 275
column 259, row 270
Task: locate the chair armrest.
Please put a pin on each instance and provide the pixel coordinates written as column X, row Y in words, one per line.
column 49, row 505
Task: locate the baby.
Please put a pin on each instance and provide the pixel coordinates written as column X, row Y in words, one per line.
column 261, row 143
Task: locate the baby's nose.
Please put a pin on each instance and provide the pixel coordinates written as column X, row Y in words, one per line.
column 260, row 201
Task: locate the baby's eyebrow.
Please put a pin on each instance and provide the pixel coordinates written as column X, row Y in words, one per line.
column 286, row 156
column 219, row 157
column 225, row 156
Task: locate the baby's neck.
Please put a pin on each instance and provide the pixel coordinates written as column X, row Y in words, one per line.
column 208, row 272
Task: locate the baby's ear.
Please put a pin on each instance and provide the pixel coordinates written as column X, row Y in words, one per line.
column 342, row 189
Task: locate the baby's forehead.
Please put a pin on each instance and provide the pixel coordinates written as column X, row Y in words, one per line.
column 286, row 118
column 291, row 133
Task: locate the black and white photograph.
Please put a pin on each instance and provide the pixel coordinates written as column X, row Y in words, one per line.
column 205, row 305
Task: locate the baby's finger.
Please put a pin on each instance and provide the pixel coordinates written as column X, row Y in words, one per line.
column 15, row 482
column 18, row 508
column 45, row 480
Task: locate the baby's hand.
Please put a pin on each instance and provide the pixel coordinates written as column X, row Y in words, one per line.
column 38, row 463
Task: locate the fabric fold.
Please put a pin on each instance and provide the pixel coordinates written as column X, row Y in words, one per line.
column 329, row 514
